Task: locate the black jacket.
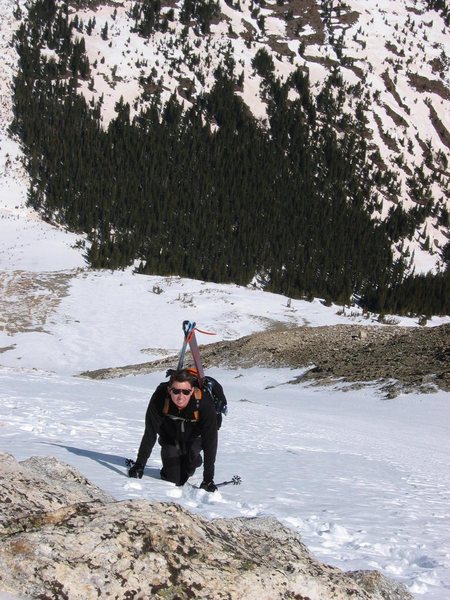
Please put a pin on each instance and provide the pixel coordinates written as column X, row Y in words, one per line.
column 180, row 432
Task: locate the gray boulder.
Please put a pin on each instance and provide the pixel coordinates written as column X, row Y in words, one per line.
column 62, row 538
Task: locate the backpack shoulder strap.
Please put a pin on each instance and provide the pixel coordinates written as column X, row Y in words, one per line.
column 198, row 394
column 166, row 405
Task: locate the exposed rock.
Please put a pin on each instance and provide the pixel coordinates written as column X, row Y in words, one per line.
column 37, row 487
column 400, row 358
column 62, row 538
column 375, row 583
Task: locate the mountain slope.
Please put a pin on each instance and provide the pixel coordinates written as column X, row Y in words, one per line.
column 395, row 53
column 28, row 242
column 301, row 132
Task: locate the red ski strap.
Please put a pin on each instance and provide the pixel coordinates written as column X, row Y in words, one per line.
column 192, row 333
column 205, row 332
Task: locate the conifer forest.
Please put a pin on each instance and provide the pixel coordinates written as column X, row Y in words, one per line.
column 208, row 191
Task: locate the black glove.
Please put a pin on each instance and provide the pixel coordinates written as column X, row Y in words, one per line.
column 208, row 486
column 136, row 471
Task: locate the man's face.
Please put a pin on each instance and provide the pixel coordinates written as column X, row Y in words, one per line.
column 180, row 393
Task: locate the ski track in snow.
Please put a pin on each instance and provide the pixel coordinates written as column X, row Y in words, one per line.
column 362, row 480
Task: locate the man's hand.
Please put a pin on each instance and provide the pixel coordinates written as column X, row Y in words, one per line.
column 208, row 486
column 136, row 471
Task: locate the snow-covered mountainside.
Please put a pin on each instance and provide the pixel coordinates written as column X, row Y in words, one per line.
column 363, row 481
column 393, row 55
column 27, row 241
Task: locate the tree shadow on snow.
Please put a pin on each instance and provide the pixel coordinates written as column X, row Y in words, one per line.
column 106, row 460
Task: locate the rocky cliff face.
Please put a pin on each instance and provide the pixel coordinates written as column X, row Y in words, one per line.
column 63, row 538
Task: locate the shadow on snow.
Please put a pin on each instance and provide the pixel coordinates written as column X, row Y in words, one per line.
column 105, row 460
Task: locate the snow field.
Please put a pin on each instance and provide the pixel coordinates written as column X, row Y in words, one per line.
column 363, row 481
column 114, row 319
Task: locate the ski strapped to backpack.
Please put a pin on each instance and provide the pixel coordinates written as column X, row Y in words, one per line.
column 189, row 330
column 206, row 385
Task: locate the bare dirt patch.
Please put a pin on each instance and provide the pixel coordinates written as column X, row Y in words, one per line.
column 387, row 139
column 398, row 119
column 441, row 129
column 429, row 86
column 27, row 299
column 392, row 89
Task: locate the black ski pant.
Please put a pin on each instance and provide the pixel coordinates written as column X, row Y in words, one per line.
column 180, row 463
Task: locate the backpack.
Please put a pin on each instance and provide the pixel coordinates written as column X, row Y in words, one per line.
column 215, row 391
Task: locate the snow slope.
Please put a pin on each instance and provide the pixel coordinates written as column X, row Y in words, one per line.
column 364, row 481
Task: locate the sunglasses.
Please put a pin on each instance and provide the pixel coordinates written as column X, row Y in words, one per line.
column 177, row 391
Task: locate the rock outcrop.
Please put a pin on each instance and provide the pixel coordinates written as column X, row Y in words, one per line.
column 400, row 359
column 61, row 538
